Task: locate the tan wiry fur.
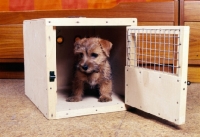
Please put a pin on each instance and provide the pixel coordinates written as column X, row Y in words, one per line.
column 92, row 68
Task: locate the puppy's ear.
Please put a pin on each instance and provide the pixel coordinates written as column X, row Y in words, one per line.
column 77, row 39
column 106, row 46
column 76, row 45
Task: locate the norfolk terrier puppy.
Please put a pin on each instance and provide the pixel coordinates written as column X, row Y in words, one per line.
column 92, row 68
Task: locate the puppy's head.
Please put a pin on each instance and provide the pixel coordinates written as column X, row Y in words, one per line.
column 92, row 53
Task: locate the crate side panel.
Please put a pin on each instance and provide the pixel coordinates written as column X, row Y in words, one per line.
column 50, row 39
column 35, row 64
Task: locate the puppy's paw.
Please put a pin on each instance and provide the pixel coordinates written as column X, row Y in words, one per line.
column 104, row 98
column 74, row 99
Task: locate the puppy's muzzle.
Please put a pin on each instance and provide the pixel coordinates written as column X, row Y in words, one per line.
column 84, row 67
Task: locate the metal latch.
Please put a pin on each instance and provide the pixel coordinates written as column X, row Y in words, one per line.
column 52, row 76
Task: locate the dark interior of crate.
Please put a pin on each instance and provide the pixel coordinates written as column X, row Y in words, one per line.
column 65, row 53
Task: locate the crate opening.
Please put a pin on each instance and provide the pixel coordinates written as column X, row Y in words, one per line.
column 65, row 63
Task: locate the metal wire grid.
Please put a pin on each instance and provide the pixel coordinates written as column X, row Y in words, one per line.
column 156, row 49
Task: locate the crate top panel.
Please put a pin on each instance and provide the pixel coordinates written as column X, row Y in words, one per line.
column 85, row 21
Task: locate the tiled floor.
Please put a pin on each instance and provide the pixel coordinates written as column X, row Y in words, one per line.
column 20, row 118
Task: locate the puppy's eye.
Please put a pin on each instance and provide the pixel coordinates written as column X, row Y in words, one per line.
column 81, row 55
column 94, row 55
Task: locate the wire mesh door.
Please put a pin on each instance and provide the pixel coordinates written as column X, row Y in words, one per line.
column 156, row 70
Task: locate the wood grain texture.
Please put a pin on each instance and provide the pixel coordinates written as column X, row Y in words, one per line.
column 11, row 60
column 11, row 41
column 190, row 16
column 12, row 75
column 194, row 73
column 176, row 12
column 144, row 11
column 191, row 8
column 193, row 62
column 155, row 23
column 181, row 12
column 194, row 50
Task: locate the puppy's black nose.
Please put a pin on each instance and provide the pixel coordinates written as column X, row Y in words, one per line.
column 84, row 67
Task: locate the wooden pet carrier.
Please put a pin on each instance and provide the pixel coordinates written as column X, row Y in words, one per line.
column 149, row 66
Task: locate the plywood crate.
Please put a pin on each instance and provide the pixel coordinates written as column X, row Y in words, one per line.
column 145, row 62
